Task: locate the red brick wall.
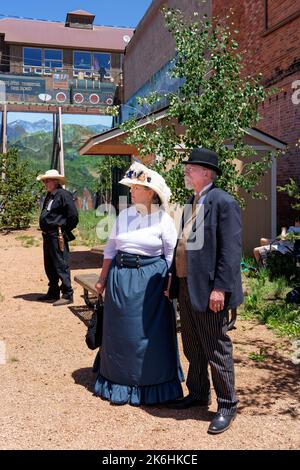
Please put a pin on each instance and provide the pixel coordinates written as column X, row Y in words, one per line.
column 279, row 10
column 277, row 55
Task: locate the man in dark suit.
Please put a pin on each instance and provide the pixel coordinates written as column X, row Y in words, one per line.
column 206, row 270
column 57, row 220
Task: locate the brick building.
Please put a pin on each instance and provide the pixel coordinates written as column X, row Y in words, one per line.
column 269, row 41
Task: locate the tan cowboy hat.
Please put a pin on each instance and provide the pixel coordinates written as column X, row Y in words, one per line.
column 140, row 174
column 52, row 175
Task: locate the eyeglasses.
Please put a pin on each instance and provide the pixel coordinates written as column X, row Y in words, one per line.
column 138, row 175
column 189, row 169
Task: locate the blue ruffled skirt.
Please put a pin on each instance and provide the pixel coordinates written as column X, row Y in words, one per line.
column 139, row 362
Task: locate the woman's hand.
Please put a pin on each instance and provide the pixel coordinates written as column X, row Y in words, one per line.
column 101, row 285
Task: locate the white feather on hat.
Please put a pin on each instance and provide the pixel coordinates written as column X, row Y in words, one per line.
column 140, row 174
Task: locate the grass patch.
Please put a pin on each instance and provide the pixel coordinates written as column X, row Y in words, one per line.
column 265, row 301
column 258, row 357
column 28, row 241
column 92, row 229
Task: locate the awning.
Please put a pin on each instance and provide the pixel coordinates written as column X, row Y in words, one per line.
column 111, row 142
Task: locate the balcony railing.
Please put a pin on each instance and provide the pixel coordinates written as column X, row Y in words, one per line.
column 112, row 74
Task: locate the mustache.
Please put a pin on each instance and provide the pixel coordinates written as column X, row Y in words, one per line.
column 187, row 183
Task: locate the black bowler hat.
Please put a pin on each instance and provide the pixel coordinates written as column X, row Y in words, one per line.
column 204, row 157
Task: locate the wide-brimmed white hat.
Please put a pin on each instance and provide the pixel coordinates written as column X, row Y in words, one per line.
column 52, row 175
column 140, row 174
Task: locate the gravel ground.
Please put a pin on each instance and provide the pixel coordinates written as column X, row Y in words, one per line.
column 46, row 382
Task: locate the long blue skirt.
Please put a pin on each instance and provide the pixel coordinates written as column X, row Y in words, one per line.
column 139, row 362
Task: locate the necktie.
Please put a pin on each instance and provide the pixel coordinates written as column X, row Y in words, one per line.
column 194, row 205
column 181, row 253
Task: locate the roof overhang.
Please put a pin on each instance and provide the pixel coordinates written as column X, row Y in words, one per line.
column 111, row 142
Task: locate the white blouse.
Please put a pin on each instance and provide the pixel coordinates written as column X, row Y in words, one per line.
column 147, row 235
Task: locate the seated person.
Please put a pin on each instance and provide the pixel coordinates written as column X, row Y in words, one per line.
column 282, row 245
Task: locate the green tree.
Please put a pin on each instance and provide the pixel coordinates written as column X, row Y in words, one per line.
column 292, row 190
column 18, row 191
column 214, row 104
column 105, row 174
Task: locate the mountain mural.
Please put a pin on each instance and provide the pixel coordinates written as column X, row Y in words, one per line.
column 35, row 141
column 18, row 128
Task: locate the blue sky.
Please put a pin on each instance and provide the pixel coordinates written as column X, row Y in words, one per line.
column 108, row 12
column 87, row 120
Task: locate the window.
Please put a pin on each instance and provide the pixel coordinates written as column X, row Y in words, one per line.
column 32, row 57
column 82, row 60
column 101, row 63
column 48, row 58
column 277, row 13
column 53, row 58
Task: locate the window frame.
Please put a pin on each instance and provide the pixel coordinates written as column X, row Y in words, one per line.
column 36, row 49
column 82, row 68
column 43, row 59
column 53, row 60
column 92, row 55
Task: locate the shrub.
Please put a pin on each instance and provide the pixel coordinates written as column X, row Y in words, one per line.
column 18, row 191
column 281, row 266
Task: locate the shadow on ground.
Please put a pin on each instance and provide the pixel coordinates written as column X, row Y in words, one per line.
column 279, row 380
column 82, row 312
column 32, row 297
column 195, row 413
column 85, row 377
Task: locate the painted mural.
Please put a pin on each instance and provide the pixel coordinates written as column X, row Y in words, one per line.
column 32, row 134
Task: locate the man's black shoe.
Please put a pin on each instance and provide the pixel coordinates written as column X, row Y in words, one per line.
column 187, row 402
column 46, row 297
column 220, row 423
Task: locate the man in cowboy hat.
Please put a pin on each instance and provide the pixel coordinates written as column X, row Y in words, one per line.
column 207, row 274
column 58, row 218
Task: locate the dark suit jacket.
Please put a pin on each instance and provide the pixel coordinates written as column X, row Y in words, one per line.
column 214, row 259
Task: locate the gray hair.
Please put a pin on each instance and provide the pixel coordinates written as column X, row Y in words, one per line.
column 214, row 175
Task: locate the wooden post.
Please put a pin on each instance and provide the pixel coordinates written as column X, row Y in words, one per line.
column 4, row 129
column 274, row 197
column 4, row 134
column 61, row 153
column 54, row 129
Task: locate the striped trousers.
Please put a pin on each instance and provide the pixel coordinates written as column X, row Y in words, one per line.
column 205, row 341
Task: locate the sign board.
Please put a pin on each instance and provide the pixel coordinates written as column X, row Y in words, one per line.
column 58, row 90
column 60, row 81
column 22, row 86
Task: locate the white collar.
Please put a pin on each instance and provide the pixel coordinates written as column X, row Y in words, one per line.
column 204, row 190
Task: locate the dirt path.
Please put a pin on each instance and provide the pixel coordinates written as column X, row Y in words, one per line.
column 46, row 384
